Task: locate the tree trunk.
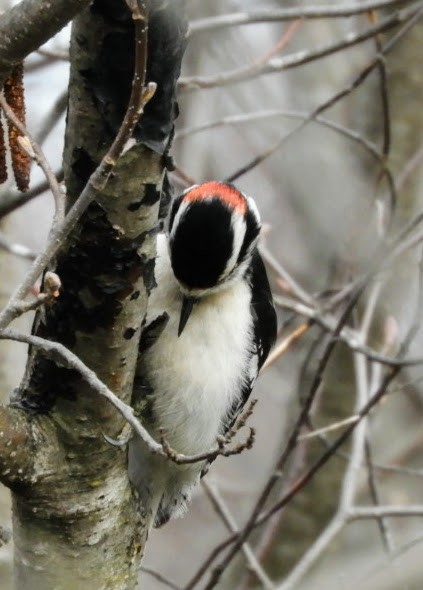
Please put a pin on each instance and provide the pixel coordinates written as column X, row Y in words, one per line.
column 76, row 521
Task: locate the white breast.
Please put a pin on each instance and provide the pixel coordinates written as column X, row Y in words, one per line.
column 197, row 376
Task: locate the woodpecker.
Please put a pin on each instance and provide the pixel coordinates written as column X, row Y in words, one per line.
column 210, row 325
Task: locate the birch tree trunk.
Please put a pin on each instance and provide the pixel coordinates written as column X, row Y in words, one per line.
column 76, row 521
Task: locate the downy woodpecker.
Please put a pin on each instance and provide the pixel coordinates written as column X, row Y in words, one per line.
column 210, row 325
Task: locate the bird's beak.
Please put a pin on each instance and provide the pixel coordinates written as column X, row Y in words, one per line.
column 187, row 306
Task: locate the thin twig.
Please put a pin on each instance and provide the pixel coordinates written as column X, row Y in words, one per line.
column 362, row 76
column 281, row 44
column 16, row 249
column 222, row 510
column 376, row 512
column 57, row 351
column 330, row 428
column 282, row 273
column 281, row 347
column 386, row 122
column 13, row 200
column 350, row 479
column 374, row 494
column 386, row 125
column 255, row 116
column 36, row 153
column 54, row 55
column 347, row 335
column 287, row 14
column 159, row 577
column 277, row 65
column 303, row 481
column 410, row 167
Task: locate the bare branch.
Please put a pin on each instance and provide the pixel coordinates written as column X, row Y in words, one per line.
column 294, row 60
column 222, row 510
column 58, row 352
column 35, row 152
column 223, row 447
column 384, row 530
column 287, row 14
column 16, row 249
column 280, row 270
column 284, row 345
column 330, row 428
column 54, row 55
column 13, row 200
column 347, row 335
column 358, row 80
column 32, row 23
column 410, row 167
column 62, row 355
column 289, row 114
column 157, row 576
column 376, row 512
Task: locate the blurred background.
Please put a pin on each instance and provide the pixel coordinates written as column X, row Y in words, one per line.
column 326, row 201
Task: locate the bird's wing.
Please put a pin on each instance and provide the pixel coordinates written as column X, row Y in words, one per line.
column 264, row 336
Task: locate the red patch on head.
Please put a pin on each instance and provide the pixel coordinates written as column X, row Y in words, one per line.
column 218, row 190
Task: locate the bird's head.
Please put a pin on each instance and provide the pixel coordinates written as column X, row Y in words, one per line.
column 213, row 230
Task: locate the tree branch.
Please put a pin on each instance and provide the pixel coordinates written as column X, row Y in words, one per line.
column 297, row 59
column 33, row 23
column 31, row 147
column 64, row 357
column 368, row 512
column 287, row 14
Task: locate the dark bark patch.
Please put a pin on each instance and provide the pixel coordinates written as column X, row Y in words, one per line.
column 83, row 166
column 48, row 382
column 128, row 333
column 148, row 274
column 166, row 198
column 135, row 205
column 111, row 76
column 151, row 195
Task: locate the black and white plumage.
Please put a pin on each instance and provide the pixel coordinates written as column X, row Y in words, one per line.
column 209, row 328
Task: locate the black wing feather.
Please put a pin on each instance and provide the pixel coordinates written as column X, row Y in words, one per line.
column 264, row 332
column 152, row 331
column 264, row 336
